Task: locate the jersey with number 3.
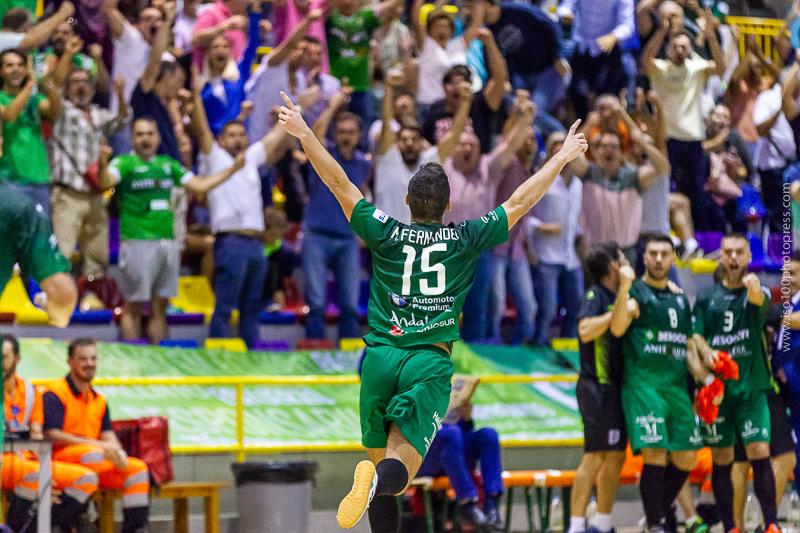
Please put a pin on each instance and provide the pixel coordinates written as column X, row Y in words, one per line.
column 729, row 322
column 654, row 348
column 421, row 273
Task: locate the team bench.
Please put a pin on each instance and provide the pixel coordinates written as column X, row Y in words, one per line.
column 179, row 492
column 538, row 484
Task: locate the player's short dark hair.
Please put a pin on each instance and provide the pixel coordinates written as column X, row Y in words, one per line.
column 80, row 342
column 458, row 70
column 428, row 192
column 347, row 115
column 411, row 125
column 16, row 18
column 660, row 238
column 12, row 340
column 598, row 262
column 13, row 52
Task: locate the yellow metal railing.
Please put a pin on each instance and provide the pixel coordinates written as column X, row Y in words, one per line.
column 765, row 32
column 240, row 382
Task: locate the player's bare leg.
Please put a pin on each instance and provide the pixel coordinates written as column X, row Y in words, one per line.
column 379, row 480
column 585, row 477
column 130, row 323
column 782, row 466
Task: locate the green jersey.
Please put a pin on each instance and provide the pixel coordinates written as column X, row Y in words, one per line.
column 145, row 189
column 24, row 159
column 26, row 238
column 421, row 273
column 728, row 322
column 348, row 45
column 654, row 347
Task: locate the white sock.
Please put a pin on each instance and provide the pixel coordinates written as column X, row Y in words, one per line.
column 577, row 524
column 602, row 522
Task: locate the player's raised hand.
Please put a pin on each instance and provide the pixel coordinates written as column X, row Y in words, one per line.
column 575, row 144
column 752, row 282
column 290, row 118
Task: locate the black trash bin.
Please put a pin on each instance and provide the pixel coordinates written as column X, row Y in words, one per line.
column 274, row 497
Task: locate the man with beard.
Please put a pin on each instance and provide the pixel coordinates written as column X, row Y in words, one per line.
column 78, row 209
column 148, row 257
column 24, row 416
column 730, row 317
column 658, row 355
column 237, row 218
column 399, row 156
column 78, row 422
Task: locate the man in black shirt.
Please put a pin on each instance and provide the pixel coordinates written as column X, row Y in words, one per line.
column 598, row 393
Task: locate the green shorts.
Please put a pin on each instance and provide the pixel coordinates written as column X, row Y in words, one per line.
column 742, row 415
column 660, row 418
column 407, row 386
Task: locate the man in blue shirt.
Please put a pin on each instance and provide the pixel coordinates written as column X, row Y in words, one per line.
column 328, row 242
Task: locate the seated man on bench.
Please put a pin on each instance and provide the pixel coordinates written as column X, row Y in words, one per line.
column 78, row 421
column 454, row 452
column 23, row 421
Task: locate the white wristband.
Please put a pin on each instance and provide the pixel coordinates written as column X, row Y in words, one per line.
column 709, row 379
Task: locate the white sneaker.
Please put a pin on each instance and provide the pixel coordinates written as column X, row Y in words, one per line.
column 356, row 503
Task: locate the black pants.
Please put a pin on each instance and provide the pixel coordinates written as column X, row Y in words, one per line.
column 593, row 76
column 772, row 196
column 689, row 172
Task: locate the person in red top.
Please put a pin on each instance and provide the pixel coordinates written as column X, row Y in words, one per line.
column 78, row 421
column 20, row 473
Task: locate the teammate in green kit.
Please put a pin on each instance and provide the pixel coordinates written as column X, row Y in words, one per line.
column 730, row 317
column 658, row 355
column 421, row 274
column 26, row 237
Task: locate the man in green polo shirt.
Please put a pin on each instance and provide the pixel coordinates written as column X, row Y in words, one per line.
column 27, row 239
column 149, row 257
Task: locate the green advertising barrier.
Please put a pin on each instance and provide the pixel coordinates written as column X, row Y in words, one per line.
column 297, row 415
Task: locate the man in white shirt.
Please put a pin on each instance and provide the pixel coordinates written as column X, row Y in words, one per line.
column 237, row 219
column 398, row 157
column 679, row 81
column 774, row 150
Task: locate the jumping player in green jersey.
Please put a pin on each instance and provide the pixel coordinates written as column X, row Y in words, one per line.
column 658, row 355
column 730, row 317
column 421, row 274
column 26, row 237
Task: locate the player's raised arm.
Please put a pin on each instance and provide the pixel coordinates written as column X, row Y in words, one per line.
column 330, row 171
column 625, row 308
column 532, row 190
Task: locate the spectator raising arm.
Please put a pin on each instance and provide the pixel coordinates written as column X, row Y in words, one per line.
column 653, row 46
column 516, row 136
column 495, row 88
column 713, row 43
column 329, row 170
column 657, row 165
column 73, row 46
column 282, row 51
column 116, row 20
column 160, row 43
column 196, row 184
column 199, row 122
column 532, row 190
column 202, row 38
column 336, row 103
column 40, row 33
column 386, row 139
column 12, row 111
column 449, row 142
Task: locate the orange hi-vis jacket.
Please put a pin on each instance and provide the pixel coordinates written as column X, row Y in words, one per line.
column 23, row 406
column 83, row 412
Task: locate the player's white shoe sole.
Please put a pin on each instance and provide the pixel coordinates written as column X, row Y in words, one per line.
column 356, row 503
